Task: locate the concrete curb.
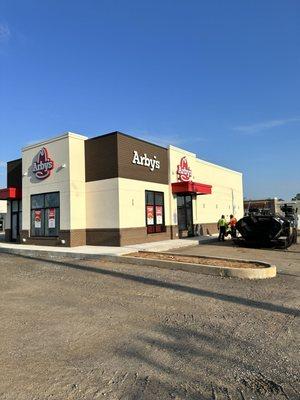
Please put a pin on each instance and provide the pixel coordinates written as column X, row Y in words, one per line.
column 268, row 270
column 54, row 254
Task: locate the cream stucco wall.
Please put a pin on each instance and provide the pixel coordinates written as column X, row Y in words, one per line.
column 120, row 203
column 67, row 177
column 227, row 188
column 3, row 206
column 102, row 204
column 4, row 214
column 132, row 202
column 77, row 183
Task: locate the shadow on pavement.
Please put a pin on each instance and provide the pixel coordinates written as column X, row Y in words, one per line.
column 174, row 286
column 202, row 359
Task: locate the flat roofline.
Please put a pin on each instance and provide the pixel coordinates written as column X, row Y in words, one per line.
column 54, row 139
column 79, row 136
column 188, row 153
column 129, row 136
column 219, row 166
column 16, row 159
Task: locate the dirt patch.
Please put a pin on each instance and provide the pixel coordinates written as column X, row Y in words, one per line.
column 211, row 261
column 92, row 330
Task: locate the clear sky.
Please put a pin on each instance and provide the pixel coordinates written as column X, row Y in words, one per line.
column 219, row 78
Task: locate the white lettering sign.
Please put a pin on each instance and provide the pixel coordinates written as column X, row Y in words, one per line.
column 151, row 163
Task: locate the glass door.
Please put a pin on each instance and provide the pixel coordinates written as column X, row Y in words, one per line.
column 16, row 216
column 14, row 226
column 185, row 214
column 189, row 214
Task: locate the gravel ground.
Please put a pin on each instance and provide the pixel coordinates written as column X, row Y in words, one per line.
column 96, row 330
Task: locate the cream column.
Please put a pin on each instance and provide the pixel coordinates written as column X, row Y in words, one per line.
column 77, row 182
column 67, row 177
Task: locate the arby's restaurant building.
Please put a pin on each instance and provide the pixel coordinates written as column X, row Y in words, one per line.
column 114, row 190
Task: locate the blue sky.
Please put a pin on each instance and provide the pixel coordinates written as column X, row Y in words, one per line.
column 220, row 78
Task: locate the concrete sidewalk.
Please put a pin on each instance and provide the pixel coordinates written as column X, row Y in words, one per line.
column 94, row 251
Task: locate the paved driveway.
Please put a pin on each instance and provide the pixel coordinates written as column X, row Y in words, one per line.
column 93, row 330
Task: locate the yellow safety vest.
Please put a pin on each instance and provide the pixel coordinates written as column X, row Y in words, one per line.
column 222, row 222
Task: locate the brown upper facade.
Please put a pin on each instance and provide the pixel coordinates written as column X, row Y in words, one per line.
column 119, row 155
column 111, row 156
column 14, row 173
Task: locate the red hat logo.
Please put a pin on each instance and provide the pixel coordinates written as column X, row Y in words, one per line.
column 43, row 166
column 183, row 170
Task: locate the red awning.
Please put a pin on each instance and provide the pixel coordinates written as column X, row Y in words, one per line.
column 191, row 187
column 10, row 193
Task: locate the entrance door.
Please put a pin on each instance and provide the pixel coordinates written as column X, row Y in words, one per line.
column 185, row 214
column 14, row 226
column 16, row 219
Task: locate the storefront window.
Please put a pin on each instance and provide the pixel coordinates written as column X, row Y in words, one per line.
column 51, row 200
column 149, row 197
column 155, row 212
column 38, row 201
column 45, row 214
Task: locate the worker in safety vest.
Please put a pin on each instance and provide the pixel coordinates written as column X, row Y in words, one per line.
column 232, row 224
column 222, row 226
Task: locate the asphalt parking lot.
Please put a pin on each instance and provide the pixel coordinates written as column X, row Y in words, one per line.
column 96, row 330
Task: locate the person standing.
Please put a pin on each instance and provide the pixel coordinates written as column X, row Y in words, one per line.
column 232, row 224
column 222, row 225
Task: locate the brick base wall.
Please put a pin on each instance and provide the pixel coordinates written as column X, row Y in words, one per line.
column 39, row 241
column 127, row 236
column 139, row 235
column 103, row 237
column 108, row 237
column 76, row 237
column 207, row 229
column 73, row 237
column 7, row 236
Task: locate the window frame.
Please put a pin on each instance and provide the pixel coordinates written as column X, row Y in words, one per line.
column 155, row 228
column 43, row 216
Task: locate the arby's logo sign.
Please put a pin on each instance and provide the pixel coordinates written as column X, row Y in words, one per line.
column 184, row 172
column 43, row 165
